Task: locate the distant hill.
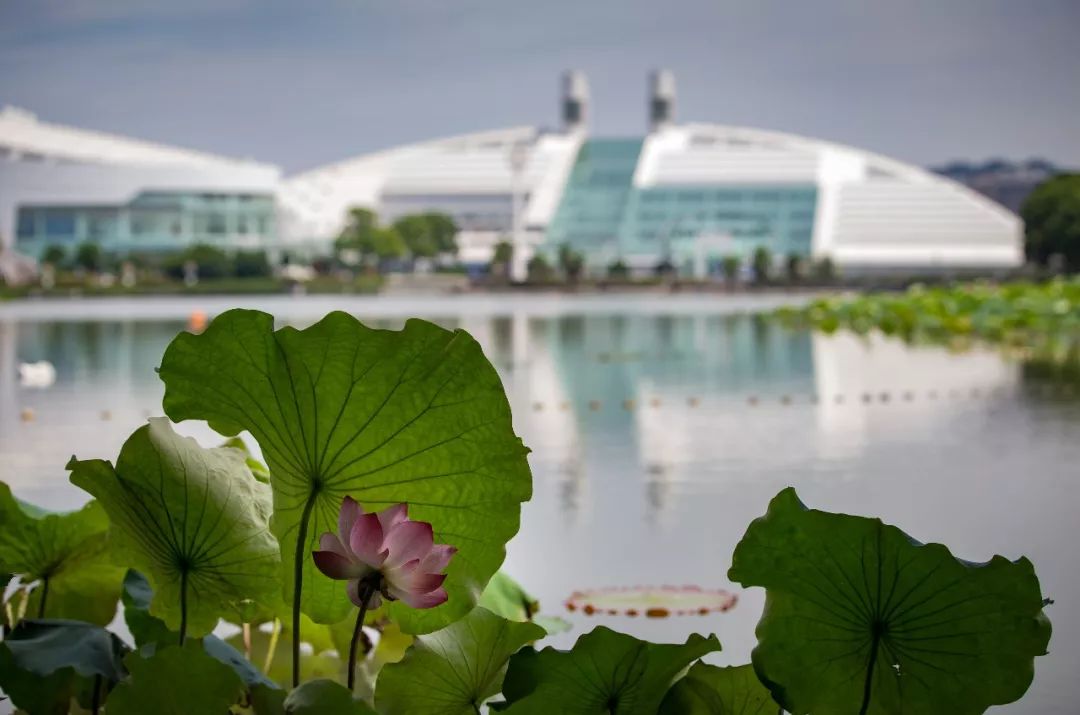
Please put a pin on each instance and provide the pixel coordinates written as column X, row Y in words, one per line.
column 1006, row 182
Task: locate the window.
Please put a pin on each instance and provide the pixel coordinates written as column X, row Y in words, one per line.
column 25, row 228
column 59, row 223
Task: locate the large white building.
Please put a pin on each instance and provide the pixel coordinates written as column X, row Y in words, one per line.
column 685, row 193
column 64, row 186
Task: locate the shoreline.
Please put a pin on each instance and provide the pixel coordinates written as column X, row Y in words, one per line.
column 402, row 305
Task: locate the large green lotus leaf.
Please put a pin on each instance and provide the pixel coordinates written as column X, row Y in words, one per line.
column 44, row 663
column 605, row 673
column 860, row 618
column 192, row 520
column 709, row 690
column 339, row 409
column 175, row 680
column 324, row 697
column 70, row 550
column 453, row 671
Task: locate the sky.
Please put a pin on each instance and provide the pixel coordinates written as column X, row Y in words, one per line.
column 309, row 82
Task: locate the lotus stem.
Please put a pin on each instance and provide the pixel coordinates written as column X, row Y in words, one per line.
column 247, row 640
column 366, row 591
column 95, row 699
column 298, row 584
column 183, row 606
column 275, row 632
column 44, row 597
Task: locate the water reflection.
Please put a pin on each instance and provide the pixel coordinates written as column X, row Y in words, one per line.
column 657, row 436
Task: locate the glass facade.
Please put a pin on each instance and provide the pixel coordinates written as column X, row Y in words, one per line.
column 603, row 215
column 152, row 222
column 595, row 198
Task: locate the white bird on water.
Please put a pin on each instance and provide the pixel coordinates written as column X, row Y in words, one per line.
column 37, row 374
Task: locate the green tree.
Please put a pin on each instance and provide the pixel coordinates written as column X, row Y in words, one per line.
column 500, row 259
column 618, row 270
column 415, row 231
column 251, row 264
column 730, row 266
column 825, row 270
column 88, row 256
column 359, row 233
column 794, row 267
column 443, row 231
column 570, row 262
column 1052, row 221
column 540, row 270
column 387, row 244
column 54, row 255
column 211, row 260
column 762, row 263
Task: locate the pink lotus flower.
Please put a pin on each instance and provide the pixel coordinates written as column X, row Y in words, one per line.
column 385, row 554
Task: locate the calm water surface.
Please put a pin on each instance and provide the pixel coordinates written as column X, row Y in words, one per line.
column 660, row 426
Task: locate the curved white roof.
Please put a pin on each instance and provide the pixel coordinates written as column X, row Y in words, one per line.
column 22, row 133
column 315, row 202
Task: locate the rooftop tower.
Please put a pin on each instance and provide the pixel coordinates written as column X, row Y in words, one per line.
column 575, row 100
column 661, row 99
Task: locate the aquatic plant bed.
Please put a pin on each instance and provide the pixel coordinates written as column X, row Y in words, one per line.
column 1035, row 320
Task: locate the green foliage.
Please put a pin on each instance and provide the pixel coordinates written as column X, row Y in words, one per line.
column 150, row 631
column 54, row 255
column 211, row 260
column 251, row 264
column 45, row 663
column 762, row 261
column 861, row 618
column 571, row 261
column 606, row 672
column 794, row 267
column 68, row 552
column 1051, row 216
column 505, row 597
column 618, row 270
column 504, row 253
column 358, row 233
column 175, row 680
column 1041, row 317
column 709, row 690
column 427, row 234
column 453, row 671
column 193, row 520
column 324, row 697
column 416, row 416
column 88, row 256
column 824, row 270
column 729, row 265
column 540, row 270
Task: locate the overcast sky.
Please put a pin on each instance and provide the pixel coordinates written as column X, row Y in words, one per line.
column 305, row 83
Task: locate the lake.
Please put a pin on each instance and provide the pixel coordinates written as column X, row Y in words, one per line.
column 659, row 426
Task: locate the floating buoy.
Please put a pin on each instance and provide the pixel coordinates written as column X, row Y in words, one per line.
column 197, row 321
column 652, row 601
column 909, row 396
column 564, row 406
column 537, row 406
column 692, row 401
column 27, row 414
column 884, row 397
column 654, row 402
column 594, row 405
column 106, row 415
column 628, row 404
column 752, row 400
column 785, row 400
column 867, row 398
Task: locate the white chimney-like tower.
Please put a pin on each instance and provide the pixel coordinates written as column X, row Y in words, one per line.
column 661, row 99
column 575, row 101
